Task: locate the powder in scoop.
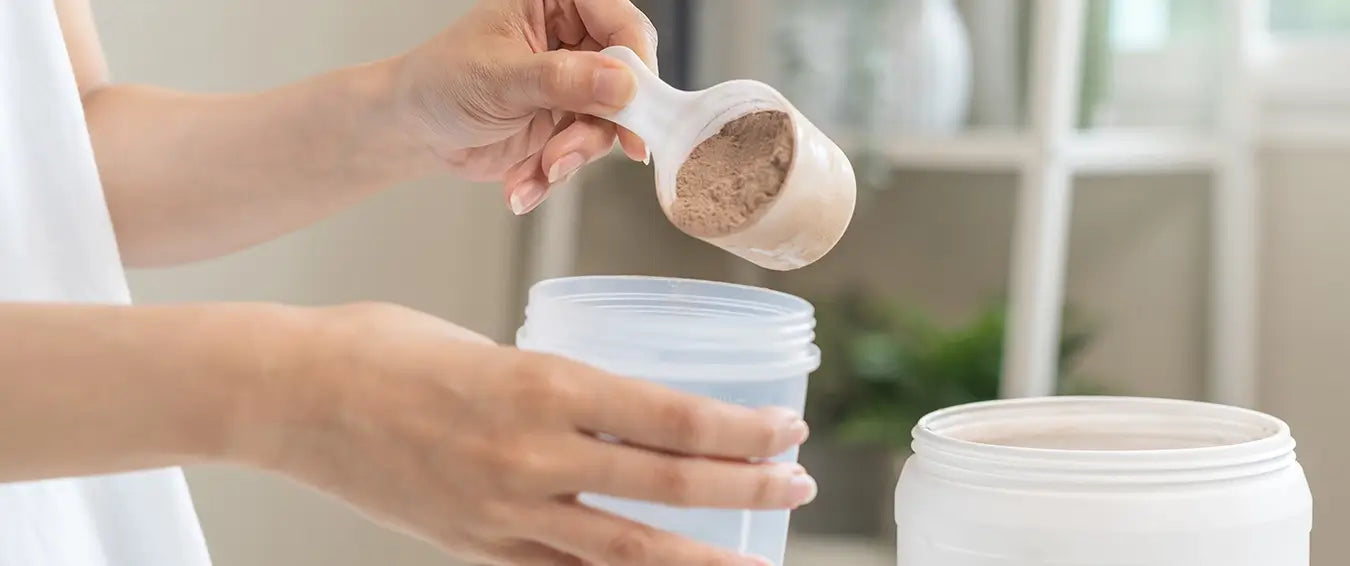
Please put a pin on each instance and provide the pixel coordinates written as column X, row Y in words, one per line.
column 731, row 177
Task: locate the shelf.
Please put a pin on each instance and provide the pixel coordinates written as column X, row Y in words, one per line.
column 1114, row 152
column 964, row 152
column 1106, row 152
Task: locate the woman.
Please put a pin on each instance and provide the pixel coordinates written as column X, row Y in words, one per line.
column 422, row 424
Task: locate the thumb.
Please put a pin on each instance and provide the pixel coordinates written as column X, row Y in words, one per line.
column 572, row 81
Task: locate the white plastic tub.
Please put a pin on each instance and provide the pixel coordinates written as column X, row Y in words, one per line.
column 735, row 343
column 1102, row 481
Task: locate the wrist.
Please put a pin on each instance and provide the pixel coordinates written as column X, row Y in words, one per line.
column 266, row 354
column 302, row 391
column 388, row 139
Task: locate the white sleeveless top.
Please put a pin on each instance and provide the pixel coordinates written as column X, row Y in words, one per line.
column 56, row 244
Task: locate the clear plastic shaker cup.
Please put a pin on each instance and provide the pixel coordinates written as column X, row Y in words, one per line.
column 815, row 204
column 739, row 344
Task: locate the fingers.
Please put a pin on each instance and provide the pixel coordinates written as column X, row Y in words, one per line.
column 564, row 22
column 576, row 81
column 657, row 417
column 562, row 82
column 581, row 140
column 619, row 22
column 602, row 538
column 585, row 141
column 635, row 473
column 525, row 190
column 633, row 146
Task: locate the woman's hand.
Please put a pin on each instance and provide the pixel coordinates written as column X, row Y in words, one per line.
column 509, row 92
column 483, row 449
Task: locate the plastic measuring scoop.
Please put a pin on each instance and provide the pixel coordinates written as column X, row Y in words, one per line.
column 815, row 204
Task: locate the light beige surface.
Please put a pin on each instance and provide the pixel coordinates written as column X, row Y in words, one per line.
column 817, row 551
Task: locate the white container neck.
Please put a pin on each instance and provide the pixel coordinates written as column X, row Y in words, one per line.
column 1108, row 442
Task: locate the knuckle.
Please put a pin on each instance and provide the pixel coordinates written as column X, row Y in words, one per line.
column 631, row 546
column 497, row 512
column 688, row 427
column 539, row 389
column 764, row 438
column 495, row 516
column 530, row 465
column 520, row 468
column 501, row 513
column 497, row 458
column 558, row 74
column 766, row 486
column 672, row 481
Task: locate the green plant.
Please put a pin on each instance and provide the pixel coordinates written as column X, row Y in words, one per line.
column 884, row 366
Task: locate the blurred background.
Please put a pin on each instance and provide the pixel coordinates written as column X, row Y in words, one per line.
column 1205, row 145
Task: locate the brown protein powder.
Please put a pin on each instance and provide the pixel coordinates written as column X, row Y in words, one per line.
column 731, row 177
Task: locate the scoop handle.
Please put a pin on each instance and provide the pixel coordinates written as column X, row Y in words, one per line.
column 656, row 108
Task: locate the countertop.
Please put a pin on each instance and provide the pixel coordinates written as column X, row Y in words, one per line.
column 832, row 551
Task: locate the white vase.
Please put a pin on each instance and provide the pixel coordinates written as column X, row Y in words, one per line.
column 811, row 56
column 925, row 74
column 994, row 31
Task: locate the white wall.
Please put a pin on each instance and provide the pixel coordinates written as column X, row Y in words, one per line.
column 443, row 246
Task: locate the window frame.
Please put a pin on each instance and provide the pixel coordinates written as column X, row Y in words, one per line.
column 1303, row 81
column 1304, row 71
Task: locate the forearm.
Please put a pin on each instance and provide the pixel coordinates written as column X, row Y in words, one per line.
column 98, row 389
column 191, row 176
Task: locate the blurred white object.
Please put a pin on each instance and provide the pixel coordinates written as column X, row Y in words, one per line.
column 739, row 344
column 57, row 244
column 1099, row 481
column 810, row 53
column 995, row 48
column 926, row 80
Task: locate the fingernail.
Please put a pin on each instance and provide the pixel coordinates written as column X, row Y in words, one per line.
column 756, row 561
column 614, row 87
column 799, row 432
column 648, row 159
column 565, row 166
column 527, row 197
column 568, row 178
column 802, row 489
